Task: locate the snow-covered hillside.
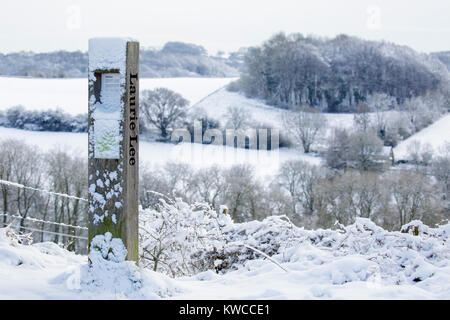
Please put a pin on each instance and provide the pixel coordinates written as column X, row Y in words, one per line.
column 216, row 106
column 362, row 261
column 436, row 136
column 71, row 95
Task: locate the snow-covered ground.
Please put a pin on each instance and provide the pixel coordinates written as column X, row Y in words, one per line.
column 71, row 95
column 362, row 262
column 157, row 153
column 436, row 136
column 216, row 106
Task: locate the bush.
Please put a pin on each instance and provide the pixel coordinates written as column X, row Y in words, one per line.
column 50, row 120
column 174, row 232
column 234, row 86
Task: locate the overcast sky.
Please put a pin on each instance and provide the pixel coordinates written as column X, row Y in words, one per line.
column 48, row 25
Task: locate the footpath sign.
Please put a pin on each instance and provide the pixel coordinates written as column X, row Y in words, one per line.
column 113, row 140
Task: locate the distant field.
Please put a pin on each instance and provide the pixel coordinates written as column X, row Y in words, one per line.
column 71, row 95
column 156, row 153
column 436, row 136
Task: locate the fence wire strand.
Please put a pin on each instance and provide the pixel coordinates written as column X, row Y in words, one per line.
column 45, row 231
column 43, row 221
column 21, row 186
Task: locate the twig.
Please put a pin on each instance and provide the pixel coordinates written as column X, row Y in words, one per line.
column 265, row 255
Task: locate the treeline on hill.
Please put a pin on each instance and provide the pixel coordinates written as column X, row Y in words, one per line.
column 175, row 59
column 444, row 57
column 335, row 75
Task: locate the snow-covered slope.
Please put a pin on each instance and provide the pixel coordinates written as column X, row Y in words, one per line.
column 361, row 262
column 71, row 95
column 216, row 105
column 157, row 153
column 436, row 136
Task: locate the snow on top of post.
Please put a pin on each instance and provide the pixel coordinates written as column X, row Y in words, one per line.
column 108, row 53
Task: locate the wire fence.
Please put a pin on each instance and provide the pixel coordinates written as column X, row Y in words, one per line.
column 43, row 221
column 21, row 186
column 19, row 228
column 40, row 221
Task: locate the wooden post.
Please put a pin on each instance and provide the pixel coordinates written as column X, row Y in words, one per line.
column 113, row 140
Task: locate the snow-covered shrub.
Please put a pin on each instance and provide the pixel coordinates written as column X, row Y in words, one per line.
column 14, row 238
column 242, row 241
column 401, row 258
column 174, row 232
column 108, row 270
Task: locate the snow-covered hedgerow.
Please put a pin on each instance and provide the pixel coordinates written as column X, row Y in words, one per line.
column 402, row 257
column 180, row 239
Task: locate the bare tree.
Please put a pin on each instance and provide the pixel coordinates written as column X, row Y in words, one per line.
column 6, row 161
column 380, row 103
column 27, row 170
column 337, row 153
column 441, row 168
column 348, row 196
column 243, row 194
column 209, row 184
column 305, row 126
column 67, row 174
column 365, row 151
column 163, row 108
column 413, row 196
column 238, row 118
column 361, row 117
column 299, row 178
column 154, row 185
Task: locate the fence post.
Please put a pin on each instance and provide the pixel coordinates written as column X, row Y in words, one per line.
column 113, row 140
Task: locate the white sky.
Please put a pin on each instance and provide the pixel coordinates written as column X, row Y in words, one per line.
column 47, row 25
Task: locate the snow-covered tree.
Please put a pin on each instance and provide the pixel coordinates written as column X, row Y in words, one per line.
column 163, row 108
column 305, row 126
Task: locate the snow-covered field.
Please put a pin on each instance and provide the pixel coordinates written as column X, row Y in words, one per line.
column 216, row 107
column 436, row 136
column 361, row 262
column 71, row 95
column 205, row 94
column 157, row 153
